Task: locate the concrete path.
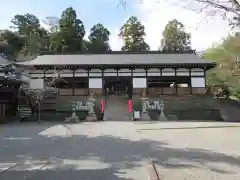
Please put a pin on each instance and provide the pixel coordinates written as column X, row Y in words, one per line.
column 120, row 151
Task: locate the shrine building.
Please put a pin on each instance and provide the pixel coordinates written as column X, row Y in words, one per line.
column 122, row 73
column 10, row 82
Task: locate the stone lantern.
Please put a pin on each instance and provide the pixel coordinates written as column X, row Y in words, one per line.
column 162, row 115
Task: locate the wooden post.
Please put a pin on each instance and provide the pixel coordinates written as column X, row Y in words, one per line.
column 190, row 84
column 73, row 82
column 152, row 172
column 176, row 85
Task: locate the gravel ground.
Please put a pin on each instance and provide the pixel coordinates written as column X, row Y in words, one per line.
column 120, row 151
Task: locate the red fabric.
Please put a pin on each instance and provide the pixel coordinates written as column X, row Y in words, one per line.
column 102, row 106
column 129, row 105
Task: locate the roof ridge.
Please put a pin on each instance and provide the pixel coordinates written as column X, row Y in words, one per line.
column 121, row 52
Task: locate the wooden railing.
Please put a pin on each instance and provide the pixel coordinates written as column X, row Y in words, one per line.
column 65, row 92
column 81, row 92
column 96, row 91
column 136, row 91
column 176, row 91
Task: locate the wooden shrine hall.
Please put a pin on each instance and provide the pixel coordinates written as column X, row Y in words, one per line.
column 121, row 73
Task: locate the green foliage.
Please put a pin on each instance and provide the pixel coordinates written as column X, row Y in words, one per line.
column 237, row 94
column 71, row 32
column 175, row 38
column 10, row 43
column 98, row 39
column 227, row 71
column 132, row 34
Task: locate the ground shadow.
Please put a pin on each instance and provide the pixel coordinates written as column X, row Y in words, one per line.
column 115, row 152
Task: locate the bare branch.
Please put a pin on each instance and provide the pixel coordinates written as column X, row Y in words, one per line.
column 228, row 6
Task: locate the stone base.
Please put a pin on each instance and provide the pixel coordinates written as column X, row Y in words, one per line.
column 162, row 117
column 145, row 117
column 91, row 117
column 73, row 119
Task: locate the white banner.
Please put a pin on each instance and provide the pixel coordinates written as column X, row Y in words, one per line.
column 198, row 81
column 36, row 84
column 95, row 82
column 139, row 82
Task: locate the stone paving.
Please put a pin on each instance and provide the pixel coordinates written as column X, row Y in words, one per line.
column 120, row 151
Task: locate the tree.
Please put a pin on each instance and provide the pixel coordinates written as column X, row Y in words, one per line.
column 224, row 7
column 10, row 43
column 99, row 37
column 227, row 71
column 132, row 34
column 28, row 28
column 175, row 38
column 36, row 96
column 26, row 24
column 71, row 32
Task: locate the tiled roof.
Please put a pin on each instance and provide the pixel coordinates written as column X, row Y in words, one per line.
column 105, row 59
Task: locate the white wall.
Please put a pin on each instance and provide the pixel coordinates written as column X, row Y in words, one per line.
column 139, row 82
column 182, row 72
column 95, row 82
column 168, row 72
column 198, row 81
column 36, row 84
column 153, row 72
column 95, row 72
column 121, row 72
column 197, row 72
column 124, row 72
column 110, row 72
column 66, row 73
column 25, row 78
column 81, row 73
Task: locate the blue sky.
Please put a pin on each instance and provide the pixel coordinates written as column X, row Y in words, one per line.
column 89, row 11
column 153, row 16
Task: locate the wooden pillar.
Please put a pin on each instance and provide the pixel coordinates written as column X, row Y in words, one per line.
column 16, row 99
column 146, row 75
column 161, row 77
column 88, row 81
column 132, row 81
column 103, row 87
column 1, row 111
column 4, row 110
column 44, row 75
column 176, row 86
column 73, row 82
column 205, row 84
column 190, row 84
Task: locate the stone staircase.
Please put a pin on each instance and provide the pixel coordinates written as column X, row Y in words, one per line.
column 116, row 109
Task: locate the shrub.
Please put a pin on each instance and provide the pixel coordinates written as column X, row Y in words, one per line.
column 237, row 94
column 221, row 91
